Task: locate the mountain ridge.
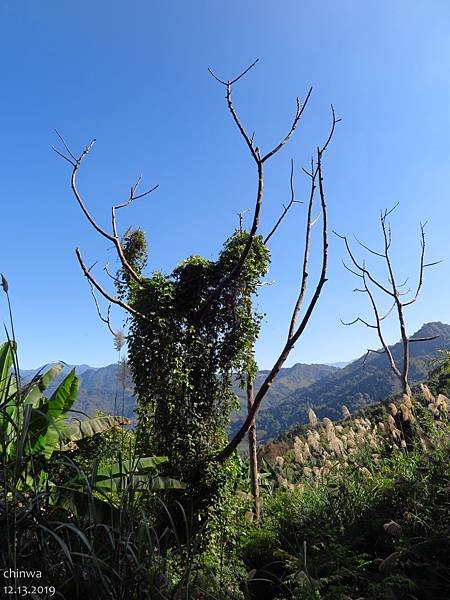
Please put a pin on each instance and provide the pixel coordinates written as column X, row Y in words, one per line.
column 323, row 387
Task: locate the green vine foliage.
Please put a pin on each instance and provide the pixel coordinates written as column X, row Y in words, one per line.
column 183, row 365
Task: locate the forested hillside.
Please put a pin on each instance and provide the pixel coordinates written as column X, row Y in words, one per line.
column 362, row 382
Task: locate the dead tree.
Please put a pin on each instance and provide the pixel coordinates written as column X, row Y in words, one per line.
column 393, row 290
column 315, row 175
column 298, row 320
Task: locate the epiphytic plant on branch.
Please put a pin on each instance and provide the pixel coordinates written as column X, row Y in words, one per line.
column 393, row 290
column 193, row 330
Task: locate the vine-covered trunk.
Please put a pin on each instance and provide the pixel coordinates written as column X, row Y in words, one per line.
column 183, row 354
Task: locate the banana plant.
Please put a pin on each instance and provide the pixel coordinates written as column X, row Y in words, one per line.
column 31, row 423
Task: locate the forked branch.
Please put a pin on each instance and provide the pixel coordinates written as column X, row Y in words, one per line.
column 103, row 292
column 295, row 331
column 107, row 319
column 259, row 161
column 285, row 208
column 112, row 237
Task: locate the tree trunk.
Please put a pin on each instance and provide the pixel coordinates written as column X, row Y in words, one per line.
column 253, row 458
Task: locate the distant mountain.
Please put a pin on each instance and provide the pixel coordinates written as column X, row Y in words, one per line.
column 100, row 389
column 28, row 374
column 323, row 387
column 289, row 380
column 360, row 383
column 106, row 389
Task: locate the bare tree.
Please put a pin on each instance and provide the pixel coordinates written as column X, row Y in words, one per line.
column 393, row 290
column 296, row 325
column 315, row 175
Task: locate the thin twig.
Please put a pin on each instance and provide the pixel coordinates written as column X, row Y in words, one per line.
column 99, row 312
column 255, row 153
column 114, row 237
column 287, row 207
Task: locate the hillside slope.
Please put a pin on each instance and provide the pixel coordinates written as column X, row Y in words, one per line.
column 358, row 384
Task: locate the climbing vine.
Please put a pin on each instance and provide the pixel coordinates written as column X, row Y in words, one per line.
column 183, row 359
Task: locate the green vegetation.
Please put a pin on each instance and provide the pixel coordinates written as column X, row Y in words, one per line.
column 357, row 508
column 183, row 358
column 74, row 518
column 294, row 390
column 361, row 507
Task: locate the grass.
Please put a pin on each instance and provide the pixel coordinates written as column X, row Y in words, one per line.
column 377, row 527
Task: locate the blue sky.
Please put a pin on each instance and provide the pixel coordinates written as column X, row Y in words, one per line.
column 134, row 75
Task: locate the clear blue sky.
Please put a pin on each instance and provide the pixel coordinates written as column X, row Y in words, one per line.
column 134, row 75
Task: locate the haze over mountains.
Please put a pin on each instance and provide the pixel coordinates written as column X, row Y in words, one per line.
column 323, row 387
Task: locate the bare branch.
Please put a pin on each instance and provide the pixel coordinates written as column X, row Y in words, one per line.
column 386, row 348
column 241, row 218
column 114, row 238
column 103, row 292
column 421, row 265
column 387, row 212
column 359, row 320
column 248, row 140
column 393, row 292
column 331, row 134
column 236, row 79
column 298, row 114
column 305, row 269
column 63, row 156
column 255, row 153
column 369, row 350
column 65, row 145
column 388, row 312
column 292, row 339
column 432, row 264
column 399, row 285
column 110, row 275
column 369, row 249
column 405, row 293
column 361, row 268
column 349, row 269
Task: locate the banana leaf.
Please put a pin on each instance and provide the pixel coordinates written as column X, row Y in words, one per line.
column 40, row 382
column 47, row 420
column 77, row 430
